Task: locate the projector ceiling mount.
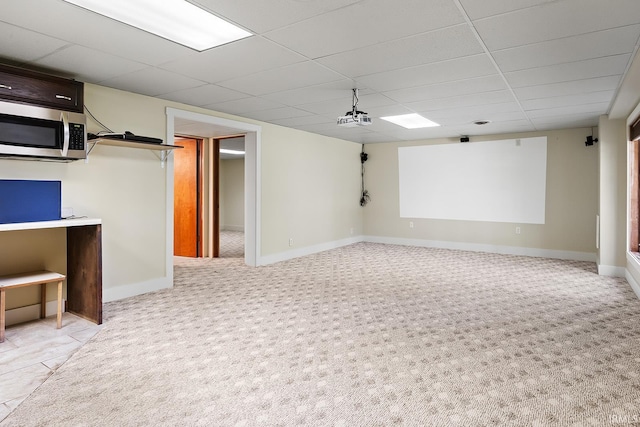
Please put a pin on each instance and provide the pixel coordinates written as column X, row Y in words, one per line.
column 354, row 117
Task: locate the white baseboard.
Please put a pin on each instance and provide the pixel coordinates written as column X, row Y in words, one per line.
column 308, row 250
column 611, row 270
column 232, row 228
column 478, row 247
column 31, row 312
column 133, row 289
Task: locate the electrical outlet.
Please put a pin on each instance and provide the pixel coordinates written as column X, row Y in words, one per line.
column 410, row 224
column 351, row 230
column 290, row 242
column 517, row 230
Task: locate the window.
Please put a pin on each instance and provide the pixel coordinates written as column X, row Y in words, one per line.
column 634, row 202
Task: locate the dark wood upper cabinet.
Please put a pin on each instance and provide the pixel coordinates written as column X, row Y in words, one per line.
column 30, row 87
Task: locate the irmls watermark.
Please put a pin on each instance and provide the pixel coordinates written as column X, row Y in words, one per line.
column 622, row 419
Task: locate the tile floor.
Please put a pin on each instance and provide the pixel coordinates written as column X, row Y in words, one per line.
column 32, row 351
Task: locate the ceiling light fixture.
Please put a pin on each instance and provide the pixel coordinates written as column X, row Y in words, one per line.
column 175, row 20
column 411, row 121
column 227, row 151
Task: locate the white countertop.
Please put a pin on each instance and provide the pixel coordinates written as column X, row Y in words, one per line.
column 63, row 223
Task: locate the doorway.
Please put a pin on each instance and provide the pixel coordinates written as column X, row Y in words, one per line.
column 183, row 122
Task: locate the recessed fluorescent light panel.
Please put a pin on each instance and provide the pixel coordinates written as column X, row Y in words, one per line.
column 226, row 151
column 411, row 121
column 175, row 20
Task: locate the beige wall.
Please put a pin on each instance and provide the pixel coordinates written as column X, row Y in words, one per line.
column 309, row 192
column 232, row 194
column 571, row 200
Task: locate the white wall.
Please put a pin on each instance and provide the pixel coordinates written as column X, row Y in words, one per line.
column 612, row 146
column 571, row 204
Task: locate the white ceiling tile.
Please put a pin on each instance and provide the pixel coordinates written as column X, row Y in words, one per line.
column 366, row 23
column 151, row 81
column 204, row 95
column 261, row 16
column 448, row 89
column 482, row 8
column 340, row 89
column 239, row 59
column 460, row 119
column 20, row 45
column 89, row 65
column 554, row 20
column 599, row 67
column 303, row 120
column 245, row 105
column 567, row 100
column 434, row 46
column 486, row 98
column 576, row 87
column 478, row 112
column 588, row 46
column 437, row 72
column 587, row 109
column 277, row 113
column 341, row 106
column 292, row 76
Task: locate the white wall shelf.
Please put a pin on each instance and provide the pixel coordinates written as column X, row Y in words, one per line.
column 164, row 149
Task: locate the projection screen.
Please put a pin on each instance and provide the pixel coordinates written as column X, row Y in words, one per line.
column 497, row 181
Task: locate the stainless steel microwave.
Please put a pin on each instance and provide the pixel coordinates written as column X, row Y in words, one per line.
column 39, row 133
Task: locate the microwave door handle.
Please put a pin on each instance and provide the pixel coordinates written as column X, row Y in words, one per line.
column 65, row 131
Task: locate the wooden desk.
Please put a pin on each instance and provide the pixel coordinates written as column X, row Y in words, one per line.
column 84, row 263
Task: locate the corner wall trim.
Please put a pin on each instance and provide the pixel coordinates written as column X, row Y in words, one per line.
column 308, row 250
column 611, row 270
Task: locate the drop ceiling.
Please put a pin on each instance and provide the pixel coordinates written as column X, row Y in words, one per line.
column 522, row 65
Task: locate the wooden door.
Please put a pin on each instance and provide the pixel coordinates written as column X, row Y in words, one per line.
column 187, row 223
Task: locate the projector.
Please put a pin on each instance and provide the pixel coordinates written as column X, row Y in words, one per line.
column 353, row 120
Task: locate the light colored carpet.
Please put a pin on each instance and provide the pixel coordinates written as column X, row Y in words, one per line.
column 365, row 335
column 231, row 244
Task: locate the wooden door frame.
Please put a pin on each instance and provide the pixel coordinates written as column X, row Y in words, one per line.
column 215, row 193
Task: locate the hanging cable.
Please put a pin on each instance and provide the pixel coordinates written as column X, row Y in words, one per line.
column 364, row 195
column 97, row 121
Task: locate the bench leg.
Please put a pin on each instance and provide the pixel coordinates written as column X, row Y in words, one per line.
column 43, row 300
column 59, row 314
column 2, row 304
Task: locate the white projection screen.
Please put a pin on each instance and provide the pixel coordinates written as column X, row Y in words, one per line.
column 497, row 181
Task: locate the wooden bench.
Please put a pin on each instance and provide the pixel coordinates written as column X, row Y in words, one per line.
column 27, row 279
